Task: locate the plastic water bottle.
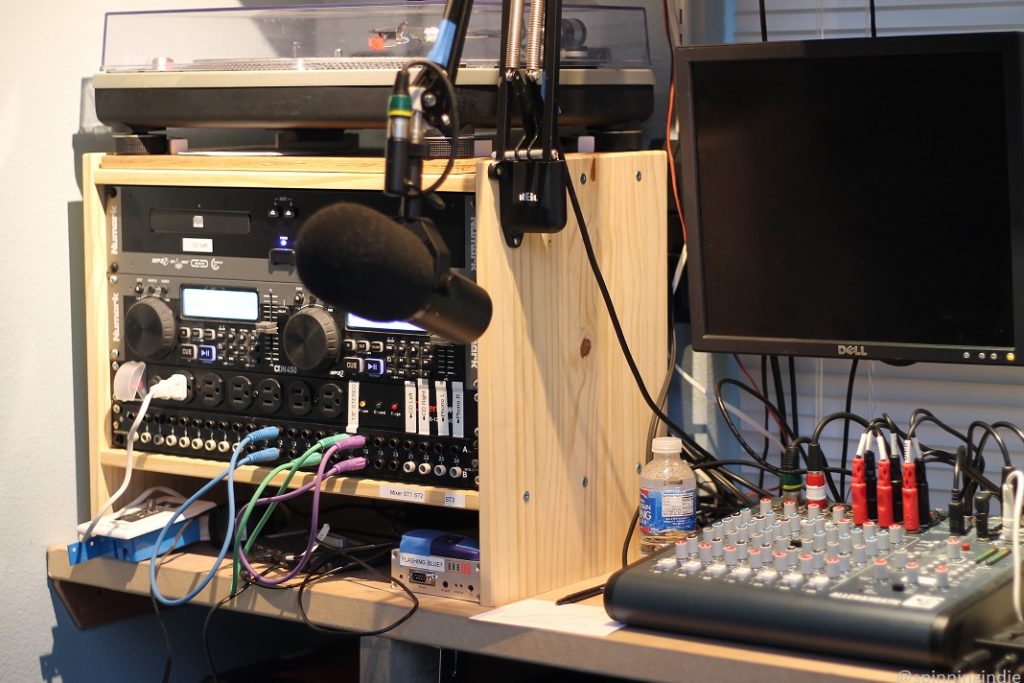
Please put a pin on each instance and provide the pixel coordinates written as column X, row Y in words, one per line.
column 668, row 496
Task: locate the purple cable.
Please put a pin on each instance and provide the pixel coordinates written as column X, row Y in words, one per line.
column 338, row 468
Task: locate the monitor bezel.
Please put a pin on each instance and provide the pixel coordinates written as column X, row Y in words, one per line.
column 1009, row 44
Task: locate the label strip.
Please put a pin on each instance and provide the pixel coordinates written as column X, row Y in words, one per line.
column 410, row 407
column 458, row 408
column 441, row 393
column 353, row 408
column 424, row 406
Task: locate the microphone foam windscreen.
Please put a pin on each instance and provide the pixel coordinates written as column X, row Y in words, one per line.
column 364, row 262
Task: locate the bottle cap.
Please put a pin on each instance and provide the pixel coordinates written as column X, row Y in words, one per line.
column 667, row 444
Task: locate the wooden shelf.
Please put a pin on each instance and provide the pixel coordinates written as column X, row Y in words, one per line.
column 297, row 172
column 360, row 603
column 250, row 474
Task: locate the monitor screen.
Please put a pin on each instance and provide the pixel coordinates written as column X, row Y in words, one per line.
column 855, row 196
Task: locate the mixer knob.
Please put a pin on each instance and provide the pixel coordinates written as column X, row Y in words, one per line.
column 741, row 550
column 780, row 560
column 666, row 564
column 149, row 328
column 819, row 540
column 883, row 540
column 754, row 558
column 707, row 533
column 794, row 524
column 311, row 339
column 789, row 508
column 896, row 534
column 705, row 552
column 838, row 512
column 832, row 568
column 806, row 564
column 860, row 554
column 872, row 546
column 869, row 529
column 745, row 516
column 716, row 547
column 881, row 569
column 844, row 525
column 831, row 533
column 844, row 562
column 765, row 505
column 692, row 544
column 731, row 555
column 942, row 576
column 899, row 559
column 845, row 543
column 912, row 572
column 813, row 512
column 953, row 548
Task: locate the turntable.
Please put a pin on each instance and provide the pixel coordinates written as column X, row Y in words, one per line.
column 333, row 66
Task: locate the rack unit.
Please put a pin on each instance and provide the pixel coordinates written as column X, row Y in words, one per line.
column 562, row 425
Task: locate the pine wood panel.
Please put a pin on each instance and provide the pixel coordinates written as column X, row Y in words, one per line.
column 562, row 423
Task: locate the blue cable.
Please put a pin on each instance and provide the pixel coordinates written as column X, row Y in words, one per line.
column 266, row 455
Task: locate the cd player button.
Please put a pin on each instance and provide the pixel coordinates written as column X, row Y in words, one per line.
column 209, row 335
column 183, row 333
column 188, row 351
column 377, row 347
column 363, row 345
column 207, row 353
column 374, row 366
column 353, row 364
column 197, row 332
column 349, row 345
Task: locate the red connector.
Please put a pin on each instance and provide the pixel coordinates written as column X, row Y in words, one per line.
column 911, row 517
column 884, row 494
column 859, row 491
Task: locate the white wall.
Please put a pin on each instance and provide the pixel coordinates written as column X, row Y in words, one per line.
column 47, row 48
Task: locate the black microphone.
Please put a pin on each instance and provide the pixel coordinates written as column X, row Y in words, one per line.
column 366, row 263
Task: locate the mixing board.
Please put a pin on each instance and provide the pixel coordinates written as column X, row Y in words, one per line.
column 810, row 579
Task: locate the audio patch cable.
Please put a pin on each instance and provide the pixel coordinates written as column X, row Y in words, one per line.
column 312, row 457
column 265, row 455
column 323, row 472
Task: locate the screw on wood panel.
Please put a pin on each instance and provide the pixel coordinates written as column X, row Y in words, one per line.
column 639, row 176
column 526, row 496
column 114, row 366
column 114, row 354
column 639, row 468
column 585, row 482
column 113, row 279
column 114, row 267
column 583, row 178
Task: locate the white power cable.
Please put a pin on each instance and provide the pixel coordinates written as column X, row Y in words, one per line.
column 752, row 423
column 128, row 467
column 1015, row 529
column 677, row 276
column 174, row 388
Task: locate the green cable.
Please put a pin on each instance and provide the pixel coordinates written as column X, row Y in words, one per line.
column 312, row 458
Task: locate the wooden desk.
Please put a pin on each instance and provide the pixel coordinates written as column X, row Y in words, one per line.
column 362, row 603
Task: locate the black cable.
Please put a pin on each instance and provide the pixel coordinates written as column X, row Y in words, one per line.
column 764, row 20
column 311, row 578
column 848, row 406
column 629, row 536
column 617, row 327
column 764, row 390
column 780, row 397
column 871, row 11
column 453, row 113
column 168, row 654
column 792, row 394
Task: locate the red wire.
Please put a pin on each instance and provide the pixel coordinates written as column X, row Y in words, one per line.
column 671, row 156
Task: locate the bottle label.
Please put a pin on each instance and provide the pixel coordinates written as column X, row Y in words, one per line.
column 667, row 510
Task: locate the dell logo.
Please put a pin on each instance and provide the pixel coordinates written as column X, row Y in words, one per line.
column 851, row 350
